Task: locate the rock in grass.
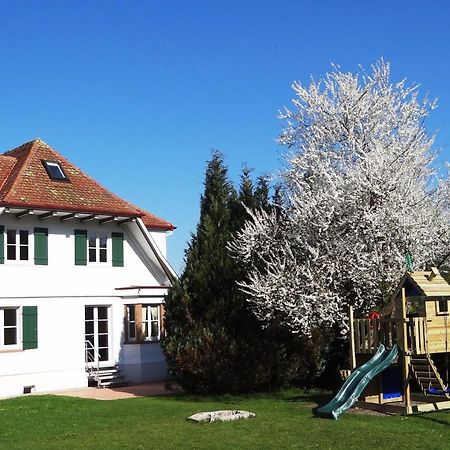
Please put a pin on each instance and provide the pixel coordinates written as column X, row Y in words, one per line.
column 224, row 415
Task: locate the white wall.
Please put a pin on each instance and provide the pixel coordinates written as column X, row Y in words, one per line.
column 61, row 277
column 59, row 360
column 61, row 290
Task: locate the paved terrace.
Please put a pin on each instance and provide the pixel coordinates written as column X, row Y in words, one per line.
column 140, row 390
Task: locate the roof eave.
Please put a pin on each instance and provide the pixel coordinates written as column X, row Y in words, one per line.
column 55, row 208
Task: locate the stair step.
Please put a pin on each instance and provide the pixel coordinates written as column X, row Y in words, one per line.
column 420, row 373
column 111, row 377
column 428, row 379
column 426, row 375
column 113, row 384
column 107, row 376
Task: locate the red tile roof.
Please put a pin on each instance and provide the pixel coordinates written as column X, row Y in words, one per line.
column 24, row 183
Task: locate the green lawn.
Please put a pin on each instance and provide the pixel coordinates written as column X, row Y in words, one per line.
column 283, row 420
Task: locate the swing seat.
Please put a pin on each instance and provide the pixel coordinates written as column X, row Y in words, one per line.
column 434, row 391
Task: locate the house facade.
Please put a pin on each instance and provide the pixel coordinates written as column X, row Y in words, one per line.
column 83, row 275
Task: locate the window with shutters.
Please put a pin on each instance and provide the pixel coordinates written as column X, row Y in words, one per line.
column 23, row 246
column 97, row 248
column 9, row 328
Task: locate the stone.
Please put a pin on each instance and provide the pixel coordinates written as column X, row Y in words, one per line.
column 224, row 415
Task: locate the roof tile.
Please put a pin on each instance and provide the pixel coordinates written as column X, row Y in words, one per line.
column 25, row 183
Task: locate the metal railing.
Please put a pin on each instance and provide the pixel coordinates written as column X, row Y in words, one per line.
column 91, row 355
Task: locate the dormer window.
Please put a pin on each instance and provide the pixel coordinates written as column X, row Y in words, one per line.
column 55, row 171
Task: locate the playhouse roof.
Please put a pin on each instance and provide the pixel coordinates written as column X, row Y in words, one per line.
column 428, row 283
column 26, row 183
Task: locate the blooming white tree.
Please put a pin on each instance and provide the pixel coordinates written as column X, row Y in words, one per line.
column 359, row 191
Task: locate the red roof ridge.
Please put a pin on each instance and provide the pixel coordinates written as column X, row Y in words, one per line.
column 6, row 169
column 15, row 177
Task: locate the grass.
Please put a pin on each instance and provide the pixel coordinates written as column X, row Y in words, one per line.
column 283, row 420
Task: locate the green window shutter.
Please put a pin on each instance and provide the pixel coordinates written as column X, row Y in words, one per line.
column 80, row 247
column 29, row 325
column 41, row 246
column 2, row 244
column 117, row 249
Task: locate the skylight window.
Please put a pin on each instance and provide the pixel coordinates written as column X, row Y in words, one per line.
column 55, row 171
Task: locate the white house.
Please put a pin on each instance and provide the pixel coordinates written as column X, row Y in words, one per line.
column 83, row 275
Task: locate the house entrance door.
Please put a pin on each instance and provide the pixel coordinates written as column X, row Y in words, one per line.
column 97, row 330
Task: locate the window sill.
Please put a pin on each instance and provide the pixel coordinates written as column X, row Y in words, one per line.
column 16, row 263
column 142, row 342
column 11, row 350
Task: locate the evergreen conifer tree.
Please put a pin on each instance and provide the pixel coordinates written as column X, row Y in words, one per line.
column 214, row 343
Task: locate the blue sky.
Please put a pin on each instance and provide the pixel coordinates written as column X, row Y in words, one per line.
column 137, row 93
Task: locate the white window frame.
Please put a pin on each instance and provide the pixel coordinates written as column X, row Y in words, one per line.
column 131, row 324
column 97, row 236
column 18, row 344
column 148, row 321
column 97, row 333
column 18, row 245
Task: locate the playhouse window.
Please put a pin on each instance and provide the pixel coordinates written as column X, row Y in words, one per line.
column 442, row 307
column 9, row 327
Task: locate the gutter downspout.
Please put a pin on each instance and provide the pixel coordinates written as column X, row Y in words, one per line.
column 2, row 210
column 167, row 268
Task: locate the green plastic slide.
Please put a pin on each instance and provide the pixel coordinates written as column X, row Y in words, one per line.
column 356, row 382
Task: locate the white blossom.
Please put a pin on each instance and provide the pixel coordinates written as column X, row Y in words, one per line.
column 359, row 191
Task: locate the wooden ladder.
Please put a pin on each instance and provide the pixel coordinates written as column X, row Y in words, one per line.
column 426, row 373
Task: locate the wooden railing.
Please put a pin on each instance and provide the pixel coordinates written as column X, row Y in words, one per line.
column 368, row 334
column 417, row 335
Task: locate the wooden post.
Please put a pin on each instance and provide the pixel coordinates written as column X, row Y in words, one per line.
column 352, row 339
column 406, row 356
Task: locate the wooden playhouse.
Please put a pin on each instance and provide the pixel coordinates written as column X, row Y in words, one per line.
column 417, row 320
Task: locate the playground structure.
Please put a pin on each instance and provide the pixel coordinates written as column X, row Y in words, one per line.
column 390, row 351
